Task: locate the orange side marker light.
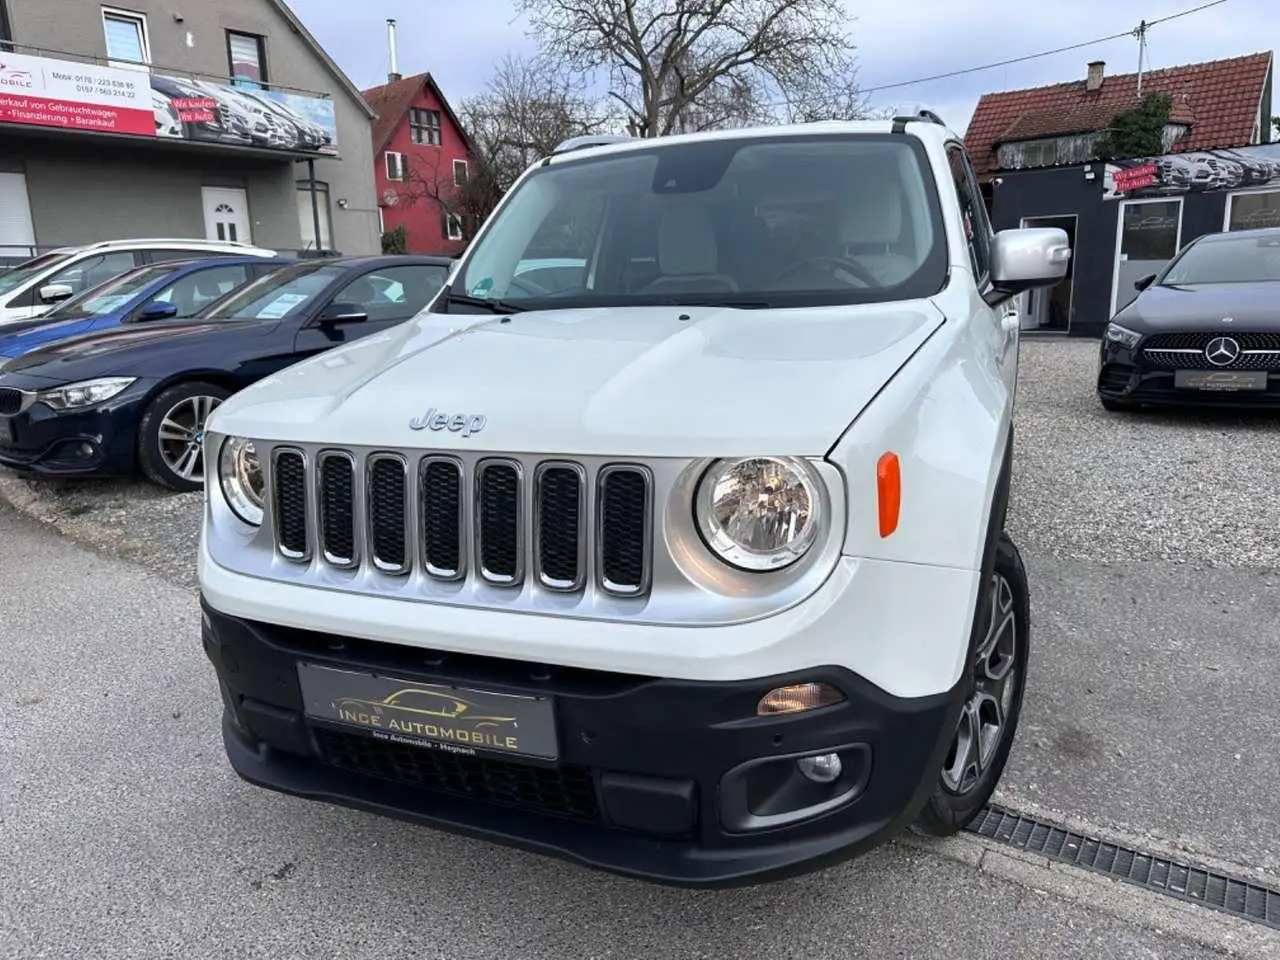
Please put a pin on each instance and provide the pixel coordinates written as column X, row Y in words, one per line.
column 889, row 488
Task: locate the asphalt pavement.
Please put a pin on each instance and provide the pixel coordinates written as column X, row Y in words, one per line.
column 124, row 833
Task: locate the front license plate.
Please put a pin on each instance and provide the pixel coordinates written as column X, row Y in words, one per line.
column 428, row 715
column 1228, row 380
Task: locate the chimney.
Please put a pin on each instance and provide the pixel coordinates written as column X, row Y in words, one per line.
column 1094, row 80
column 393, row 76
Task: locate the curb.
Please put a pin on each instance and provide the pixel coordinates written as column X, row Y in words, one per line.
column 21, row 495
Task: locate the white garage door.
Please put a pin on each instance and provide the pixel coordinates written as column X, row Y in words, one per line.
column 17, row 237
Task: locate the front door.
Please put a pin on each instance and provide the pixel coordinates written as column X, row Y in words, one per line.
column 226, row 214
column 1148, row 235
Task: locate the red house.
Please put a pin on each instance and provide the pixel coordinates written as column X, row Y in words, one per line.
column 421, row 156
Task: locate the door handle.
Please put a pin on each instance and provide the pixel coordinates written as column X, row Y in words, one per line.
column 1009, row 322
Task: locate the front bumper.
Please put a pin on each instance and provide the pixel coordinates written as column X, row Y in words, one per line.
column 656, row 779
column 99, row 441
column 1127, row 376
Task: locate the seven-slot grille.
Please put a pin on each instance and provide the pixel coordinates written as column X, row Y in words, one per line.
column 1258, row 351
column 502, row 520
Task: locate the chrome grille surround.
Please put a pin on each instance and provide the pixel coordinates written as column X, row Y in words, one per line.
column 683, row 584
column 583, row 533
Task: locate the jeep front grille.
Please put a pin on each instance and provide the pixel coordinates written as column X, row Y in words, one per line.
column 500, row 521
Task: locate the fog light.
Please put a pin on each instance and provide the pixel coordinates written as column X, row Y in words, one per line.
column 824, row 768
column 798, row 698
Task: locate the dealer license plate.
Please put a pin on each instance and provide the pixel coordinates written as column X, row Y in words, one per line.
column 1226, row 380
column 438, row 717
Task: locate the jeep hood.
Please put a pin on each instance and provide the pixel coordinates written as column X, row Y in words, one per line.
column 636, row 381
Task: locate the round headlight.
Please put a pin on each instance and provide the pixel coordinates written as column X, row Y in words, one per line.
column 240, row 474
column 759, row 513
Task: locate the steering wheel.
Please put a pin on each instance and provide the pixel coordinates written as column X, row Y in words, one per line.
column 858, row 270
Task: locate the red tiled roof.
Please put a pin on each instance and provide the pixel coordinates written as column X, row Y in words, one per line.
column 392, row 101
column 1219, row 99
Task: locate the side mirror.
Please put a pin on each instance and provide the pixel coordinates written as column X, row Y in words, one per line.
column 158, row 310
column 340, row 312
column 1027, row 259
column 55, row 292
column 1144, row 282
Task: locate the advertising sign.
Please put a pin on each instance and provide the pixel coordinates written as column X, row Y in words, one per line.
column 77, row 96
column 1200, row 171
column 37, row 91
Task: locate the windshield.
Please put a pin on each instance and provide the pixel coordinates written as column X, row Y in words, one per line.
column 1226, row 259
column 17, row 276
column 283, row 293
column 103, row 299
column 777, row 221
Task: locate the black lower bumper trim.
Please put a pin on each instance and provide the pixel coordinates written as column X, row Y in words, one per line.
column 668, row 781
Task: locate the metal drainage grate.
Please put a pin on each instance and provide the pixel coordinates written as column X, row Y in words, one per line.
column 1240, row 898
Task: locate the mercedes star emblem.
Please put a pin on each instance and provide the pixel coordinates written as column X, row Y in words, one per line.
column 1222, row 351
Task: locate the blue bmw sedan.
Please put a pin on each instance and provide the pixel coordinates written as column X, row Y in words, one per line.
column 170, row 290
column 111, row 402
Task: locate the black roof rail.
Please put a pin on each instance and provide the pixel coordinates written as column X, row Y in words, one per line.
column 900, row 123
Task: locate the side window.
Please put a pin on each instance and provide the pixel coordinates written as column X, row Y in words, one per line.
column 91, row 271
column 394, row 293
column 973, row 214
column 195, row 291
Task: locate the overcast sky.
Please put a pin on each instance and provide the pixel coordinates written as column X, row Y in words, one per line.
column 460, row 40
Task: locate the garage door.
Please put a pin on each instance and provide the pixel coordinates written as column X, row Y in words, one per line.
column 16, row 234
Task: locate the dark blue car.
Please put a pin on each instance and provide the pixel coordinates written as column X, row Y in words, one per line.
column 170, row 290
column 109, row 402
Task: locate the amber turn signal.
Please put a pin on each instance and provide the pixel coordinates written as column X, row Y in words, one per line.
column 798, row 698
column 889, row 489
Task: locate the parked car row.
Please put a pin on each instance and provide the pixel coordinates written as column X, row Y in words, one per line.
column 115, row 354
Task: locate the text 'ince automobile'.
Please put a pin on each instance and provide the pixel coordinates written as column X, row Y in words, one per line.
column 647, row 500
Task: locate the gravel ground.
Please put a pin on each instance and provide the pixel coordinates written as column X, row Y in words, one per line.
column 1088, row 485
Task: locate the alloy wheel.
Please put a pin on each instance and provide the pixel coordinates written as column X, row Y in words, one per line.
column 182, row 436
column 984, row 720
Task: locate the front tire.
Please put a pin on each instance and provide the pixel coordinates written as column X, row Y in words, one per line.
column 171, row 434
column 995, row 681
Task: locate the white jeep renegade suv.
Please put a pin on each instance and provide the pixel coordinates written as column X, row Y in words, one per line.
column 668, row 538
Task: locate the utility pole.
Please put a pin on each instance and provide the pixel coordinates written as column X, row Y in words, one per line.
column 1141, row 34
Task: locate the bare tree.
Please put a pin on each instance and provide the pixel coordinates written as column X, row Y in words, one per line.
column 693, row 64
column 528, row 107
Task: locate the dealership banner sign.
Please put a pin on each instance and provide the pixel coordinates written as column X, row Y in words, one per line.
column 1201, row 171
column 42, row 92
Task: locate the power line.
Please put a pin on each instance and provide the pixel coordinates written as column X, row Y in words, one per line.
column 1139, row 31
column 1037, row 56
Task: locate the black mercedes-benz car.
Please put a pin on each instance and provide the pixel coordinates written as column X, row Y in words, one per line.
column 109, row 402
column 1203, row 331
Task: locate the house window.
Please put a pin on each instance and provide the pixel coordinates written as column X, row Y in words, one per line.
column 424, row 125
column 459, row 173
column 307, row 219
column 1253, row 210
column 397, row 169
column 126, row 33
column 247, row 56
column 452, row 226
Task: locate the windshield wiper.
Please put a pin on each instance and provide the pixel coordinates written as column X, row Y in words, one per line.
column 493, row 306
